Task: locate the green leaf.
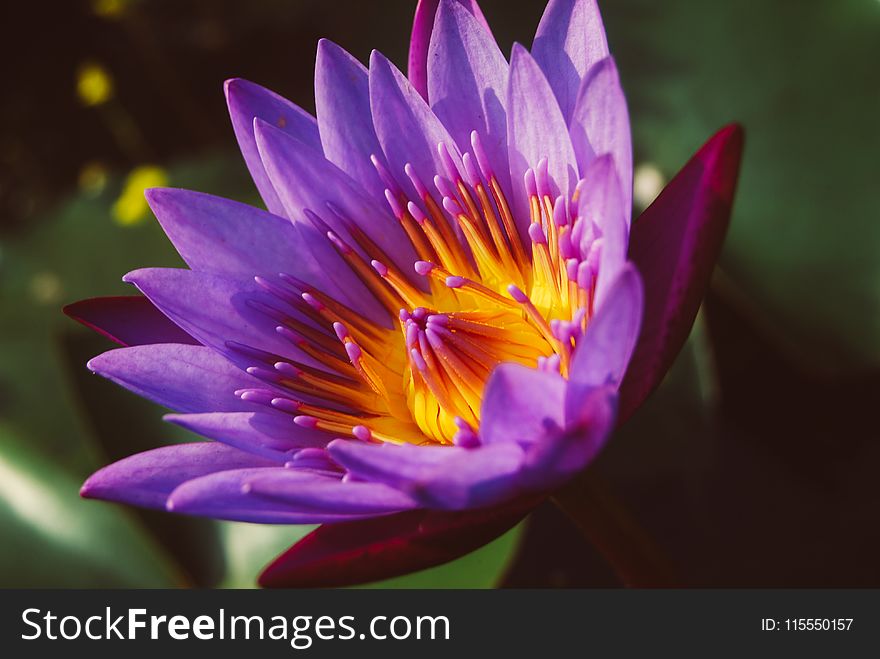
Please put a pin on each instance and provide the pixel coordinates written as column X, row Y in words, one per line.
column 51, row 537
column 248, row 548
column 801, row 77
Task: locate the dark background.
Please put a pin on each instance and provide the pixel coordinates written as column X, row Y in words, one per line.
column 756, row 462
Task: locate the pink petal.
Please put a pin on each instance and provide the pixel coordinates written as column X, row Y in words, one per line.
column 600, row 124
column 603, row 354
column 423, row 27
column 536, row 129
column 570, row 39
column 247, row 100
column 675, row 244
column 349, row 553
column 129, row 320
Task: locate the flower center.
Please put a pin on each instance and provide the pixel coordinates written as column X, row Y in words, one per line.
column 481, row 294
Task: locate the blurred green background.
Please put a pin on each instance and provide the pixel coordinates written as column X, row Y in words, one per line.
column 756, row 462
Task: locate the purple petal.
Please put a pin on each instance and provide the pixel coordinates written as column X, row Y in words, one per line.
column 218, row 236
column 223, row 495
column 600, row 124
column 555, row 458
column 309, row 493
column 272, row 435
column 181, row 377
column 222, row 237
column 536, row 129
column 216, row 310
column 146, row 479
column 601, row 202
column 423, row 28
column 305, row 180
column 521, row 404
column 569, row 40
column 342, row 102
column 467, row 83
column 436, row 476
column 603, row 354
column 408, row 130
column 130, row 320
column 675, row 244
column 246, row 101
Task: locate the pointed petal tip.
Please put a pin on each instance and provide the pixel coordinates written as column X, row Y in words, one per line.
column 86, row 490
column 675, row 244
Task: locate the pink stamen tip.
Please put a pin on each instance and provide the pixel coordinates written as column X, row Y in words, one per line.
column 262, row 373
column 517, row 294
column 420, row 313
column 448, row 164
column 416, row 181
column 423, row 267
column 386, row 178
column 481, row 155
column 379, row 267
column 417, row 213
column 286, row 404
column 438, row 319
column 394, row 204
column 561, row 329
column 530, row 183
column 566, row 247
column 362, row 433
column 404, row 316
column 560, row 212
column 470, row 170
column 313, row 302
column 418, row 360
column 412, row 334
column 312, row 453
column 536, row 233
column 444, row 187
column 339, row 243
column 455, row 281
column 452, row 207
column 305, row 421
column 353, row 351
column 585, row 276
column 256, row 396
column 571, row 269
column 341, row 331
column 542, row 178
column 287, row 369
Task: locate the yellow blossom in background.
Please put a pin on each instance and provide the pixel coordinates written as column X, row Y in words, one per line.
column 94, row 85
column 131, row 207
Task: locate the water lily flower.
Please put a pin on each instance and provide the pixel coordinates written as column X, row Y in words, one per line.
column 441, row 316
